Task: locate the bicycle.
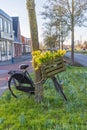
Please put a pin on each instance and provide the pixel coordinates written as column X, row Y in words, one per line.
column 20, row 81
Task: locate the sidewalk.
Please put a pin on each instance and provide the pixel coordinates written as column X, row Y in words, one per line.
column 5, row 66
column 16, row 60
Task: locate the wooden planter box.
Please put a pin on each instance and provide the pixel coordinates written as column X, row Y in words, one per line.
column 52, row 68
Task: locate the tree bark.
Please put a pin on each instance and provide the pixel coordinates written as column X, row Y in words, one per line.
column 35, row 46
column 62, row 45
column 72, row 27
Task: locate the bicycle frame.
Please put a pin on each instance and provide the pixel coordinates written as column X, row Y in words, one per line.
column 23, row 82
column 23, row 78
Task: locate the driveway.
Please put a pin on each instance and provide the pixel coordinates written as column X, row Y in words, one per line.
column 80, row 58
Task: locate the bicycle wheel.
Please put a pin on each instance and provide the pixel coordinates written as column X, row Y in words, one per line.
column 12, row 84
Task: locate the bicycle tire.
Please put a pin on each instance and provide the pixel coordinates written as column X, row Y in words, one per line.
column 12, row 84
column 58, row 87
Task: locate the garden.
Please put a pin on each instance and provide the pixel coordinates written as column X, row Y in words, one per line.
column 53, row 113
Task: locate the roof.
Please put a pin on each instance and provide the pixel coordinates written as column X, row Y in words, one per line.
column 16, row 28
column 15, row 25
column 5, row 15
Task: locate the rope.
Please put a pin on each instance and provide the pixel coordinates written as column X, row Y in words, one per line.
column 39, row 82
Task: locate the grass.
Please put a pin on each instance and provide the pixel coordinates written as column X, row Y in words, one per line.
column 53, row 113
column 81, row 51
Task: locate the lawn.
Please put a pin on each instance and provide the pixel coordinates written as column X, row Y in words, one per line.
column 53, row 113
column 81, row 51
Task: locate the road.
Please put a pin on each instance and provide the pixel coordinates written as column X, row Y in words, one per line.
column 80, row 58
column 4, row 69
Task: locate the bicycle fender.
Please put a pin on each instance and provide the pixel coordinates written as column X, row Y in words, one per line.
column 20, row 77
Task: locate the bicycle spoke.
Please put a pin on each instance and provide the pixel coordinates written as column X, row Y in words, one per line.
column 13, row 83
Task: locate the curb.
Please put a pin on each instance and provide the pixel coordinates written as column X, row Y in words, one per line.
column 2, row 90
column 16, row 60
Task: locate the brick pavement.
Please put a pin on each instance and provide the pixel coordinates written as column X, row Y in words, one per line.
column 4, row 72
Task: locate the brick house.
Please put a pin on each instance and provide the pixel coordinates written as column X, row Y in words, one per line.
column 12, row 44
column 26, row 45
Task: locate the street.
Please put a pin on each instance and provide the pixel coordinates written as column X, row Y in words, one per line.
column 80, row 58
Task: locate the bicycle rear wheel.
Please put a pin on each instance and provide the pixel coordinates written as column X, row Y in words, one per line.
column 12, row 84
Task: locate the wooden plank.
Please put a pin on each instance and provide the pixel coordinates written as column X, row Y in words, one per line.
column 53, row 73
column 53, row 68
column 56, row 61
column 52, row 64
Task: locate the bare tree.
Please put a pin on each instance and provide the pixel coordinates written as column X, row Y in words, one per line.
column 33, row 24
column 71, row 12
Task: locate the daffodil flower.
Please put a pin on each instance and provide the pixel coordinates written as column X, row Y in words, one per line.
column 40, row 58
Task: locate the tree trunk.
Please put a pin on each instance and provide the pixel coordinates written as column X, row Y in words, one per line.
column 35, row 46
column 72, row 47
column 72, row 26
column 62, row 45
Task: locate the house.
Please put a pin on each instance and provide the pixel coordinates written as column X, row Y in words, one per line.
column 26, row 45
column 6, row 36
column 12, row 44
column 17, row 37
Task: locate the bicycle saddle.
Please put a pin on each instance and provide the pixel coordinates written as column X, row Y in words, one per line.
column 23, row 66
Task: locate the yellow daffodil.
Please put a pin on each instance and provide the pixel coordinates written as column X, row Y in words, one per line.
column 39, row 58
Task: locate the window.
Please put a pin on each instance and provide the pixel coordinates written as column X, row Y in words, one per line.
column 9, row 48
column 5, row 26
column 1, row 26
column 3, row 49
column 9, row 28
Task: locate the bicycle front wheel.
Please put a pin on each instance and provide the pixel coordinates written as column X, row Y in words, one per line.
column 58, row 87
column 12, row 84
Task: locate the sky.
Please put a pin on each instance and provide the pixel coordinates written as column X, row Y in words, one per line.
column 18, row 8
